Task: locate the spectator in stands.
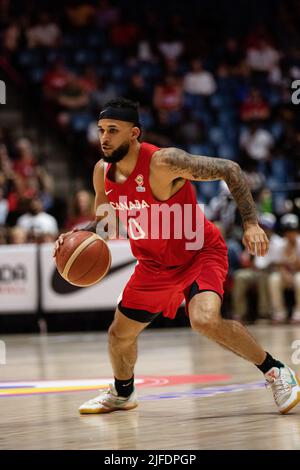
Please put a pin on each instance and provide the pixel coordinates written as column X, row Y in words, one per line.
column 106, row 14
column 258, row 143
column 82, row 210
column 45, row 33
column 255, row 107
column 124, row 33
column 287, row 272
column 170, row 46
column 39, row 226
column 199, row 81
column 55, row 79
column 232, row 55
column 11, row 37
column 88, row 79
column 17, row 236
column 223, row 208
column 137, row 90
column 80, row 14
column 72, row 98
column 255, row 274
column 168, row 97
column 262, row 56
column 25, row 163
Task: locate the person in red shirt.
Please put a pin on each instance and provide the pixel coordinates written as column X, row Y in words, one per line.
column 139, row 180
column 82, row 209
column 255, row 107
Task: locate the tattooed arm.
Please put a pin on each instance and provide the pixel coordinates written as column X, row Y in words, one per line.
column 176, row 163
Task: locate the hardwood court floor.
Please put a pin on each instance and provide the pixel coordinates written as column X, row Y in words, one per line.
column 230, row 412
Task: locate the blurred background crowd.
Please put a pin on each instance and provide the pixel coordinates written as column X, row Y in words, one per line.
column 212, row 77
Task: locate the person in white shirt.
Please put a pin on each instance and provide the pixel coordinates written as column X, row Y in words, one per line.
column 39, row 225
column 199, row 81
column 257, row 142
column 287, row 273
column 263, row 58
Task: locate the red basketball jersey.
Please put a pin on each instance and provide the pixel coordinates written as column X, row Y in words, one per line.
column 167, row 232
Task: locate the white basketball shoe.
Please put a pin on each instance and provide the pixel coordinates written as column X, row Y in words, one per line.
column 285, row 386
column 109, row 401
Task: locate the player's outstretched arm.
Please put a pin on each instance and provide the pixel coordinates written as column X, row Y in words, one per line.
column 176, row 163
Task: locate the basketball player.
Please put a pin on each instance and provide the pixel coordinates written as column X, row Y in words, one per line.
column 168, row 269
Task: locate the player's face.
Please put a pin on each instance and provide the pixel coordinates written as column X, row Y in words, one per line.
column 115, row 138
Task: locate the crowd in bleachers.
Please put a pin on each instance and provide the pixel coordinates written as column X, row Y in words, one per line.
column 210, row 91
column 210, row 77
column 26, row 193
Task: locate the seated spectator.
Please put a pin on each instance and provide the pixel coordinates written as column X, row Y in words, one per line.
column 254, row 107
column 262, row 57
column 25, row 163
column 17, row 236
column 39, row 225
column 55, row 79
column 232, row 55
column 89, row 80
column 72, row 98
column 80, row 14
column 199, row 81
column 124, row 33
column 168, row 95
column 45, row 33
column 164, row 132
column 82, row 210
column 106, row 14
column 137, row 90
column 257, row 142
column 286, row 274
column 11, row 37
column 255, row 274
column 169, row 46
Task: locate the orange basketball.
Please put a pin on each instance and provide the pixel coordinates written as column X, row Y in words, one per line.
column 83, row 259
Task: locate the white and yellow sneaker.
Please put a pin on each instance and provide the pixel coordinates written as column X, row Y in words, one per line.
column 109, row 401
column 285, row 386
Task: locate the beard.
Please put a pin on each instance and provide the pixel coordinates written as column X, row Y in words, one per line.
column 118, row 154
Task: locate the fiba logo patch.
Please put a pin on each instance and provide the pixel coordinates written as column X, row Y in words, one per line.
column 2, row 92
column 140, row 181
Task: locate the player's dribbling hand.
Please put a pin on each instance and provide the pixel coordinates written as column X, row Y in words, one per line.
column 255, row 240
column 60, row 240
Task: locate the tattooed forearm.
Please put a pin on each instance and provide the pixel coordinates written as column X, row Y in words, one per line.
column 181, row 164
column 239, row 188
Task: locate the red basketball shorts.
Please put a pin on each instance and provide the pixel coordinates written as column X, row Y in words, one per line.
column 154, row 289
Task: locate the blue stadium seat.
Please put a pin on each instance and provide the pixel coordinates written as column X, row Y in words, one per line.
column 83, row 57
column 36, row 74
column 201, row 149
column 29, row 57
column 216, row 135
column 80, row 121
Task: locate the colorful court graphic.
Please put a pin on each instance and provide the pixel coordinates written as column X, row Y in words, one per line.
column 10, row 389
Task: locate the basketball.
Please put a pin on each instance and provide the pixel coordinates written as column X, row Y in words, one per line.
column 83, row 259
